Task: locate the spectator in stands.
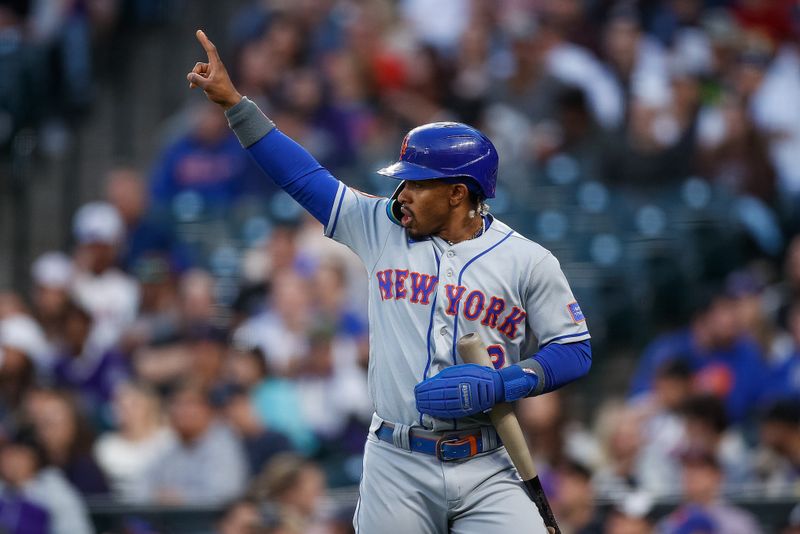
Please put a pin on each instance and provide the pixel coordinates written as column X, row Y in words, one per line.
column 621, row 523
column 169, row 359
column 241, row 517
column 780, row 435
column 281, row 331
column 295, row 486
column 254, row 64
column 783, row 381
column 574, row 500
column 197, row 301
column 206, row 346
column 755, row 315
column 530, row 89
column 277, row 402
column 38, row 496
column 706, row 428
column 127, row 454
column 702, row 486
column 64, row 31
column 245, row 368
column 723, row 361
column 631, row 515
column 145, row 235
column 158, row 320
column 260, row 443
column 333, row 302
column 622, row 472
column 663, row 431
column 691, row 519
column 67, row 439
column 309, row 117
column 51, row 274
column 20, row 514
column 206, row 464
column 331, row 387
column 205, row 167
column 20, row 338
column 20, row 332
column 733, row 153
column 92, row 370
column 11, row 304
column 553, row 436
column 767, row 75
column 99, row 287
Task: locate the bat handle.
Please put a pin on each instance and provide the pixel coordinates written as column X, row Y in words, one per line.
column 537, row 495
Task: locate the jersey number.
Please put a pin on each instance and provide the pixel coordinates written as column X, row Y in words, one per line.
column 497, row 355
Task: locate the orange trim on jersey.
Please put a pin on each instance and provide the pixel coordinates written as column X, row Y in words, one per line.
column 353, row 189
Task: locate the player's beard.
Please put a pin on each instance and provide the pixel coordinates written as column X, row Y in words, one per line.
column 415, row 234
column 406, row 220
column 410, row 222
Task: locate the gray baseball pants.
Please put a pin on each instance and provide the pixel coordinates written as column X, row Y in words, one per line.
column 405, row 492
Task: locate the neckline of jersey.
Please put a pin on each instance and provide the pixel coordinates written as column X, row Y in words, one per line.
column 488, row 219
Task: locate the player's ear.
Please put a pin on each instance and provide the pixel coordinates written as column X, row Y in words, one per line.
column 458, row 194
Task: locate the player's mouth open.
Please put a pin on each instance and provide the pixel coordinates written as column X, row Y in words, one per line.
column 406, row 219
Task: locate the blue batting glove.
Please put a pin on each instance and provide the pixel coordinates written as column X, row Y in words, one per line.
column 467, row 389
column 459, row 391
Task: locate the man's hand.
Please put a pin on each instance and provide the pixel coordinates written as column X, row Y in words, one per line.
column 212, row 77
column 459, row 391
column 467, row 389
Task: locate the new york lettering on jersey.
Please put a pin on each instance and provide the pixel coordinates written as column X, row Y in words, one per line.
column 474, row 305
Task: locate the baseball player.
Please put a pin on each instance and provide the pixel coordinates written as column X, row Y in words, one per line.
column 439, row 266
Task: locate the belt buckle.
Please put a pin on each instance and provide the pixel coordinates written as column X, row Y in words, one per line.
column 471, row 439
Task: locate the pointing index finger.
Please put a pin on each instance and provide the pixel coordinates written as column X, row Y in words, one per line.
column 208, row 46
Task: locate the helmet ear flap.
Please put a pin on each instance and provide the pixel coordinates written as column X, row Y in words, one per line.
column 394, row 204
column 398, row 190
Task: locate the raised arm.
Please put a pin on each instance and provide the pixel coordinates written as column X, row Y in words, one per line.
column 212, row 77
column 283, row 160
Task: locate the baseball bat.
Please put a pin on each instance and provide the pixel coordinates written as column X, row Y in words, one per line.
column 472, row 350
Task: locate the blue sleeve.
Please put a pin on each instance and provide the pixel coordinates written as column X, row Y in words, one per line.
column 296, row 172
column 562, row 363
column 555, row 365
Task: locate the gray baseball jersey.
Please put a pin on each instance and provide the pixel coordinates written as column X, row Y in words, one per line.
column 424, row 295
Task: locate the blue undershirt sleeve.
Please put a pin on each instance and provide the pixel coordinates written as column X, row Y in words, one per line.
column 563, row 362
column 297, row 173
column 287, row 163
column 556, row 365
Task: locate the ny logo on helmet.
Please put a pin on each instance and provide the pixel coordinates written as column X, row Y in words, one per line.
column 404, row 146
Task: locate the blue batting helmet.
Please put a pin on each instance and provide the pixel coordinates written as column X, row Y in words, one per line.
column 450, row 151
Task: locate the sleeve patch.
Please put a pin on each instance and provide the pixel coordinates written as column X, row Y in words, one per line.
column 576, row 313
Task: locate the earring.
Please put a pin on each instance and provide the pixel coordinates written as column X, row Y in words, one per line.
column 471, row 214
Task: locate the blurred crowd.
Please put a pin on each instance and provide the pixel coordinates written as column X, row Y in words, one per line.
column 51, row 54
column 201, row 343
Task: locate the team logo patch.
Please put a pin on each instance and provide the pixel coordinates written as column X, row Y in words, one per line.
column 576, row 313
column 466, row 396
